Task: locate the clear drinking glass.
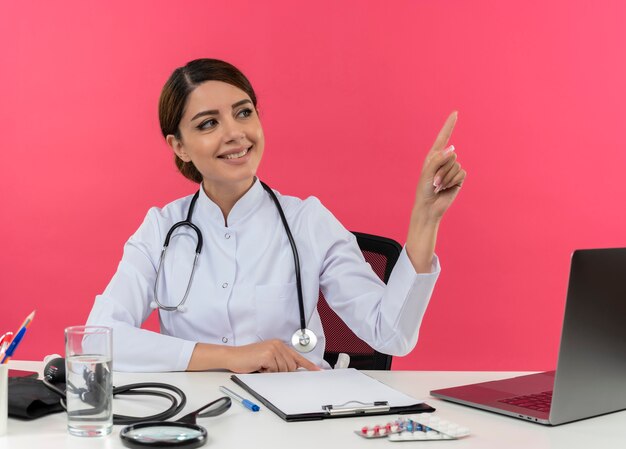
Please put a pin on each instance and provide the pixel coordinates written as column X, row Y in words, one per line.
column 89, row 395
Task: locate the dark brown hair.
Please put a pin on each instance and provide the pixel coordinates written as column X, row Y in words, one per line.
column 180, row 84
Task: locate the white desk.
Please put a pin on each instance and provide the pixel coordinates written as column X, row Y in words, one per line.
column 240, row 428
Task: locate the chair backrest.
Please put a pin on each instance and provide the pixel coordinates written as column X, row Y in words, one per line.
column 382, row 254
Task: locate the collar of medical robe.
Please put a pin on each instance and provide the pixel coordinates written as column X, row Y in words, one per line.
column 244, row 289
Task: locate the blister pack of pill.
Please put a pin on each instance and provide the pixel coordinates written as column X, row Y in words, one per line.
column 423, row 427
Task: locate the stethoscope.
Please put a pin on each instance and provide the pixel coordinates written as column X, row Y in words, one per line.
column 303, row 339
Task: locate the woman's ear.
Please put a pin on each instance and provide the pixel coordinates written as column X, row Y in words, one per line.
column 177, row 147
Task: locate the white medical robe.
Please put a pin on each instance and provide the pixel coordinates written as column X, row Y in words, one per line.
column 244, row 288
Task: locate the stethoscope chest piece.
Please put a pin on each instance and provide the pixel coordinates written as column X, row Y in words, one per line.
column 304, row 340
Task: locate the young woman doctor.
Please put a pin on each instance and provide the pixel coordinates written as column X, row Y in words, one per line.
column 240, row 306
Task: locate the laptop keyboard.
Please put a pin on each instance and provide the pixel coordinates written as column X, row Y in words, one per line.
column 540, row 402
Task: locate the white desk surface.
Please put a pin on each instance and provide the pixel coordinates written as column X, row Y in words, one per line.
column 240, row 428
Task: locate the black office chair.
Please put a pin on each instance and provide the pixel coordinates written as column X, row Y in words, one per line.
column 382, row 254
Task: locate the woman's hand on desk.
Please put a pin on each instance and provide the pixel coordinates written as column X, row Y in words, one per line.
column 266, row 357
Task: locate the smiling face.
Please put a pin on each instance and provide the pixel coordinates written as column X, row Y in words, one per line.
column 220, row 132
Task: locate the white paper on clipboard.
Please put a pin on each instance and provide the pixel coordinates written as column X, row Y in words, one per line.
column 302, row 392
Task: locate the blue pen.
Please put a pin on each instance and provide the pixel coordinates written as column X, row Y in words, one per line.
column 18, row 337
column 11, row 349
column 247, row 404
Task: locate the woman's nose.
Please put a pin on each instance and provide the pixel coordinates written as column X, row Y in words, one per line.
column 233, row 131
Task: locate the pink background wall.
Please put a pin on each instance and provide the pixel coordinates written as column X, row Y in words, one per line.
column 351, row 95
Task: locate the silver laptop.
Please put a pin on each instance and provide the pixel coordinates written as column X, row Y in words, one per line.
column 590, row 378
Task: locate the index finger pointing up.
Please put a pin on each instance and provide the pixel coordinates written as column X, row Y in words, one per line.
column 446, row 131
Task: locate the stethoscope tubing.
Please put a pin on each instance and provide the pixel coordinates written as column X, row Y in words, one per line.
column 166, row 243
column 296, row 257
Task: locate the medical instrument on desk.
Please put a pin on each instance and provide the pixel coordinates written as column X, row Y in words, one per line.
column 54, row 380
column 303, row 339
column 245, row 402
column 8, row 352
column 184, row 432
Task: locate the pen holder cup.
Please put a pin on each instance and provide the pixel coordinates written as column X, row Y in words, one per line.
column 4, row 398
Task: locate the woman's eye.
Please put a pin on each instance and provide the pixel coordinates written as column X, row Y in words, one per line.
column 247, row 112
column 207, row 124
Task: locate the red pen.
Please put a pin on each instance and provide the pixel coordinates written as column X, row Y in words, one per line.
column 5, row 341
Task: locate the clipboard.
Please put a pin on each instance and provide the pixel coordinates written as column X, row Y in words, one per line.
column 315, row 395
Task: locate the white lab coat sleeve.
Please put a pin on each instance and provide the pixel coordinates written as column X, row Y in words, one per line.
column 125, row 305
column 387, row 317
column 404, row 304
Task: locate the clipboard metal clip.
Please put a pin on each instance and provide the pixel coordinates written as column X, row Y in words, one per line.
column 361, row 408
